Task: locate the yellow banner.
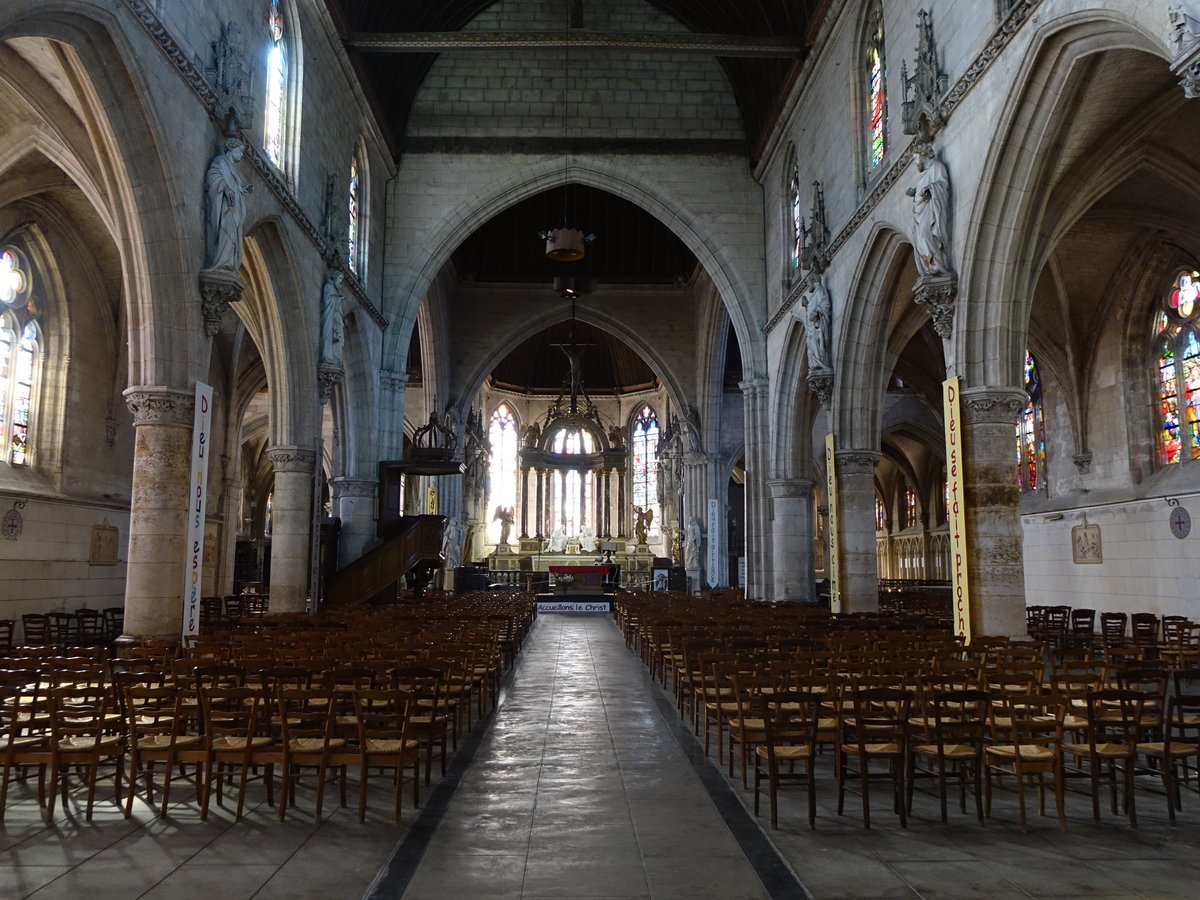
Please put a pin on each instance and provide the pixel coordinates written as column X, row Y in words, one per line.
column 431, row 501
column 956, row 508
column 831, row 501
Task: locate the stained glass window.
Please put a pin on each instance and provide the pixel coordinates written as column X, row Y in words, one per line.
column 910, row 508
column 1031, row 432
column 19, row 354
column 795, row 232
column 353, row 257
column 277, row 76
column 880, row 514
column 643, row 444
column 502, row 438
column 876, row 91
column 1177, row 371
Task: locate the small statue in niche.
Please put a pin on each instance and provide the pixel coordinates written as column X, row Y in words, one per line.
column 817, row 326
column 332, row 323
column 931, row 214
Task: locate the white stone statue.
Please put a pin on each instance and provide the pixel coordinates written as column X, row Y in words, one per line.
column 558, row 540
column 931, row 214
column 332, row 322
column 818, row 325
column 452, row 543
column 587, row 540
column 691, row 546
column 505, row 516
column 226, row 209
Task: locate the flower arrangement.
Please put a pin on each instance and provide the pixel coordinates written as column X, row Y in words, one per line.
column 564, row 580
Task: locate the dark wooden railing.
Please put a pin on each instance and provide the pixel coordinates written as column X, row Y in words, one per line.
column 415, row 543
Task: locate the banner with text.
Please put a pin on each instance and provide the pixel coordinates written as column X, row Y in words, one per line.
column 833, row 568
column 197, row 496
column 956, row 507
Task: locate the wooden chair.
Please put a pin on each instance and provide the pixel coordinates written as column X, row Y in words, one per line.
column 384, row 743
column 1180, row 744
column 156, row 728
column 1110, row 741
column 22, row 744
column 7, row 627
column 790, row 733
column 957, row 736
column 306, row 741
column 80, row 741
column 427, row 721
column 35, row 628
column 1027, row 738
column 89, row 626
column 876, row 732
column 231, row 721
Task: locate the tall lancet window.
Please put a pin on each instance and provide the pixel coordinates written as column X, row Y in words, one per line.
column 502, row 438
column 643, row 443
column 20, row 354
column 354, row 248
column 793, row 219
column 1177, row 371
column 875, row 66
column 1031, row 432
column 571, row 489
column 274, row 119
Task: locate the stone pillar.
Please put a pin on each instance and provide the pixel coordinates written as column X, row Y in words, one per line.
column 859, row 582
column 541, row 504
column 791, row 539
column 353, row 503
column 291, row 531
column 524, row 501
column 995, row 564
column 392, row 391
column 231, row 511
column 758, row 525
column 162, row 453
column 621, row 532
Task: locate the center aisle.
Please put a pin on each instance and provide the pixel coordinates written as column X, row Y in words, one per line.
column 579, row 789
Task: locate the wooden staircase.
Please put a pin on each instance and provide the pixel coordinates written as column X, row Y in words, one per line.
column 413, row 543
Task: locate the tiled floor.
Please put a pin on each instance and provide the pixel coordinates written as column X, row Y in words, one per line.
column 588, row 785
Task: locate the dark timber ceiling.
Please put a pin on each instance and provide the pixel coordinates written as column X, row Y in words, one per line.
column 758, row 78
column 630, row 245
column 608, row 364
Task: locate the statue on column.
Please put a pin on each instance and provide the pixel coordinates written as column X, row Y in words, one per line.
column 931, row 214
column 691, row 547
column 452, row 543
column 332, row 322
column 818, row 322
column 226, row 208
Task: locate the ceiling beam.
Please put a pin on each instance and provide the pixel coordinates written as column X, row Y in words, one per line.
column 476, row 41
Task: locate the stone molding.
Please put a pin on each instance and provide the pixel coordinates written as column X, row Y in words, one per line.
column 791, row 488
column 821, row 384
column 292, row 459
column 218, row 288
column 342, row 487
column 938, row 292
column 993, row 405
column 328, row 377
column 395, row 382
column 161, row 406
column 1009, row 27
column 856, row 462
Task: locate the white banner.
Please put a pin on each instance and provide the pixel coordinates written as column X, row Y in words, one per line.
column 833, row 567
column 197, row 495
column 569, row 606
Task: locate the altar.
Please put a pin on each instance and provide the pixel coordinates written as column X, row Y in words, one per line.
column 577, row 579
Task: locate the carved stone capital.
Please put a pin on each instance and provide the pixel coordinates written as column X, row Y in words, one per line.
column 821, row 384
column 753, row 386
column 395, row 382
column 292, row 459
column 993, row 405
column 856, row 462
column 161, row 406
column 1083, row 462
column 327, row 378
column 352, row 487
column 938, row 292
column 791, row 488
column 218, row 288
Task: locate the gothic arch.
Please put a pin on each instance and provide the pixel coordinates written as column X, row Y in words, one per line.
column 658, row 200
column 863, row 355
column 794, row 408
column 134, row 208
column 1011, row 218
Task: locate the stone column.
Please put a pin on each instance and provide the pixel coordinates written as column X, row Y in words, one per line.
column 354, row 503
column 162, row 453
column 995, row 562
column 758, row 526
column 541, row 504
column 524, row 501
column 621, row 532
column 791, row 539
column 291, row 532
column 231, row 512
column 859, row 582
column 392, row 392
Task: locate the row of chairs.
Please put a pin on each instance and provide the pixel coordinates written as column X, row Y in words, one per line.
column 83, row 627
column 1174, row 638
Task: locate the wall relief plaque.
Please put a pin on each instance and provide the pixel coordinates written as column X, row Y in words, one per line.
column 104, row 545
column 1085, row 544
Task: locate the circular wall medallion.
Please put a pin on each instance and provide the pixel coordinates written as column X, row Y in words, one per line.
column 12, row 525
column 1181, row 522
